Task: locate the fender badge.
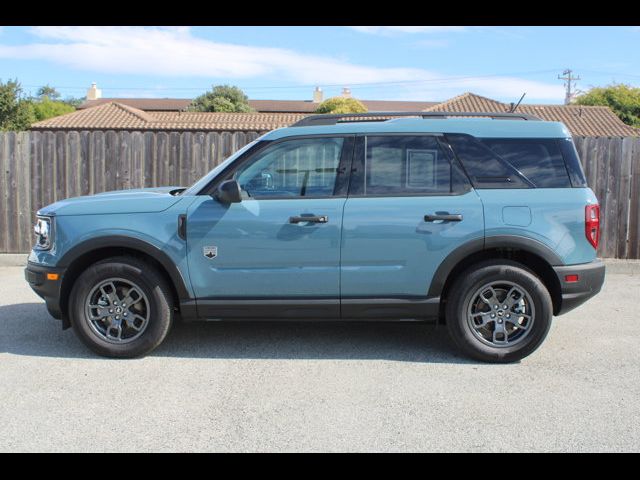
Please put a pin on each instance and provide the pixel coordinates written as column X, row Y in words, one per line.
column 210, row 252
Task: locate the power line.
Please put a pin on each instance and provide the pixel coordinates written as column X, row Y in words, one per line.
column 361, row 84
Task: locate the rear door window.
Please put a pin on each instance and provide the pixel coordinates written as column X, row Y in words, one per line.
column 485, row 168
column 406, row 165
column 540, row 160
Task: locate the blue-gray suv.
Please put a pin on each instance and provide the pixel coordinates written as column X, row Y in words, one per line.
column 484, row 222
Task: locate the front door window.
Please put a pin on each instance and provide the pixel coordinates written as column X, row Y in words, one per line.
column 292, row 169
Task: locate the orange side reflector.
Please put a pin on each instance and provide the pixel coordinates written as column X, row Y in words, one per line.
column 52, row 276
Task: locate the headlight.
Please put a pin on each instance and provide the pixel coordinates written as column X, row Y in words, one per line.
column 43, row 233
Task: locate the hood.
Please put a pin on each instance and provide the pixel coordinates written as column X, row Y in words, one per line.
column 140, row 200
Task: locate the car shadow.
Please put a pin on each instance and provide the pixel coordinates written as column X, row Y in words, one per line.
column 28, row 329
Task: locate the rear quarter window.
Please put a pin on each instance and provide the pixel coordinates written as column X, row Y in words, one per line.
column 540, row 160
column 572, row 162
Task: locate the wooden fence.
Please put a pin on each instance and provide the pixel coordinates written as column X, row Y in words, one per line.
column 39, row 168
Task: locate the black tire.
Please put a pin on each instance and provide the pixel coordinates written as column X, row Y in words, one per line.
column 158, row 297
column 464, row 291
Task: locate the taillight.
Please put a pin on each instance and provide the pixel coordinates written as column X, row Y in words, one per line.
column 592, row 224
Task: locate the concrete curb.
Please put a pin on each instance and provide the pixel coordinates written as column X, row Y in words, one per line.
column 13, row 259
column 614, row 265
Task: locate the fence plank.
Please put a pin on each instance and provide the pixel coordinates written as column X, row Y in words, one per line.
column 634, row 207
column 623, row 197
column 12, row 200
column 226, row 146
column 48, row 168
column 137, row 153
column 199, row 156
column 610, row 232
column 173, row 177
column 162, row 157
column 23, row 192
column 35, row 160
column 186, row 160
column 73, row 166
column 149, row 163
column 60, row 190
column 216, row 149
column 102, row 146
column 601, row 153
column 86, row 165
column 123, row 162
column 4, row 194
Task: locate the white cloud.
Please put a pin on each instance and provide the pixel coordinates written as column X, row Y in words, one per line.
column 175, row 52
column 405, row 29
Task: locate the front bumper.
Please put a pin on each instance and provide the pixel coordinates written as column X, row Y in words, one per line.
column 590, row 280
column 49, row 290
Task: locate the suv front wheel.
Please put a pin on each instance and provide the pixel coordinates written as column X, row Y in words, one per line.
column 498, row 311
column 121, row 307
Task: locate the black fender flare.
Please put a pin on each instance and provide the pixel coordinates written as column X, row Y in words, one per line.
column 132, row 243
column 480, row 244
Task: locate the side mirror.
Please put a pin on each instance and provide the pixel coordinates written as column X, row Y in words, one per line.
column 228, row 192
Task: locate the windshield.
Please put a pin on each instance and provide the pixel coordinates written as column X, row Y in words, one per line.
column 200, row 184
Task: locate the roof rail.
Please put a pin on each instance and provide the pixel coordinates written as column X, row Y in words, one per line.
column 334, row 118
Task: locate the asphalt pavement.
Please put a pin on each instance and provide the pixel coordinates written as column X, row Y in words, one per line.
column 321, row 387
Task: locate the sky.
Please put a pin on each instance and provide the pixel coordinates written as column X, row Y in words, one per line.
column 377, row 63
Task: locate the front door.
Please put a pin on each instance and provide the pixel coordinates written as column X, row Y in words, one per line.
column 276, row 253
column 409, row 206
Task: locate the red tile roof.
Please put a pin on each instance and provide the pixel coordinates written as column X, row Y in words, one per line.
column 115, row 116
column 107, row 115
column 469, row 102
column 584, row 121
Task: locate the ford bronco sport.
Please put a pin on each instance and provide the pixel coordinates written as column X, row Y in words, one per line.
column 485, row 223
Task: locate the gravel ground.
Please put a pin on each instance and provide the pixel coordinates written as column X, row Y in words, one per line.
column 320, row 387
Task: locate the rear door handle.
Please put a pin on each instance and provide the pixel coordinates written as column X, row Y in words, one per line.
column 447, row 217
column 309, row 219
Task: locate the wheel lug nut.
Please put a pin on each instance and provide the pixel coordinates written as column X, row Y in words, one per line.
column 493, row 315
column 504, row 306
column 495, row 306
column 124, row 314
column 111, row 310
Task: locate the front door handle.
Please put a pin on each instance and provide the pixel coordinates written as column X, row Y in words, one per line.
column 309, row 219
column 447, row 217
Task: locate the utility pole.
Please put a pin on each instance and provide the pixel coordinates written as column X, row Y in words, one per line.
column 568, row 78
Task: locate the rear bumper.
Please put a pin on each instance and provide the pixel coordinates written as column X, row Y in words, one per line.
column 49, row 290
column 590, row 280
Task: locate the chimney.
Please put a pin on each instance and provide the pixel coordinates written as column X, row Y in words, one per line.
column 318, row 95
column 94, row 92
column 346, row 92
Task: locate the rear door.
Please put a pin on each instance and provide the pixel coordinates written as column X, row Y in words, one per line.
column 409, row 206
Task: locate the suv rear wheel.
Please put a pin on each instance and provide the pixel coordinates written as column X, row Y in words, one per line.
column 121, row 307
column 498, row 311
